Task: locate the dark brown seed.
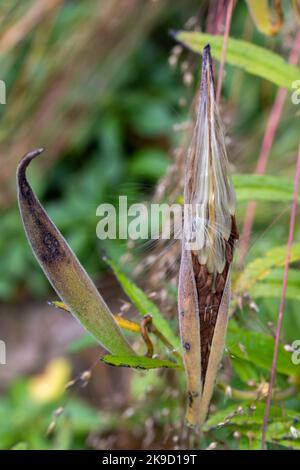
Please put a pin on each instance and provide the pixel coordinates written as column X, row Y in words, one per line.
column 203, row 291
column 220, row 283
column 209, row 280
column 228, row 253
column 202, row 275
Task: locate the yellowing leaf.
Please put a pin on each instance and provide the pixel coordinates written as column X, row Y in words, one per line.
column 50, row 384
column 267, row 20
column 121, row 321
column 263, row 188
column 271, row 285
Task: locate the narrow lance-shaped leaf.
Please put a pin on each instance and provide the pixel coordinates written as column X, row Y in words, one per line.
column 260, row 268
column 250, row 187
column 263, row 188
column 139, row 362
column 63, row 269
column 145, row 306
column 271, row 285
column 245, row 55
column 207, row 250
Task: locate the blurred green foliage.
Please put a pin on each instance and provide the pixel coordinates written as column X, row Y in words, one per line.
column 122, row 145
column 126, row 139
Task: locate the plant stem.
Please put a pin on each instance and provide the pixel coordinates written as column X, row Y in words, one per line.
column 133, row 327
column 224, row 48
column 257, row 394
column 268, row 139
column 282, row 300
column 164, row 340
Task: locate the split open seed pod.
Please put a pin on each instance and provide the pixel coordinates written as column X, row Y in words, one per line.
column 208, row 241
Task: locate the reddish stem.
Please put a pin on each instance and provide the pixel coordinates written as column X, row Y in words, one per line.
column 268, row 139
column 224, row 48
column 282, row 300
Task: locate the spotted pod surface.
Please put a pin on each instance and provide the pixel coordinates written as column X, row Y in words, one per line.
column 64, row 271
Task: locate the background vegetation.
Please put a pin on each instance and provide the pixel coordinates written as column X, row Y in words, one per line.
column 100, row 85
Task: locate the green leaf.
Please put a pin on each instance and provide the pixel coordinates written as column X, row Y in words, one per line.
column 145, row 306
column 263, row 188
column 271, row 286
column 261, row 267
column 20, row 446
column 245, row 55
column 250, row 187
column 257, row 348
column 139, row 362
column 250, row 418
column 244, row 369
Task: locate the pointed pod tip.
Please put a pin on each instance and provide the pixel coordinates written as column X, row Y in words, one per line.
column 207, row 76
column 173, row 33
column 206, row 55
column 24, row 162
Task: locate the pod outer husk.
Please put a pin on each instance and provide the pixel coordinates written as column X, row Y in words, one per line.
column 63, row 269
column 189, row 324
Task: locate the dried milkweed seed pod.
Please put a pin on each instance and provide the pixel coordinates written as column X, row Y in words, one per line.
column 208, row 241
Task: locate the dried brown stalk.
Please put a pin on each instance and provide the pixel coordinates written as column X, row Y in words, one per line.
column 208, row 241
column 282, row 299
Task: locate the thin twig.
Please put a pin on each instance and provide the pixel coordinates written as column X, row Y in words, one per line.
column 257, row 394
column 268, row 139
column 135, row 328
column 224, row 48
column 169, row 346
column 145, row 323
column 282, row 300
